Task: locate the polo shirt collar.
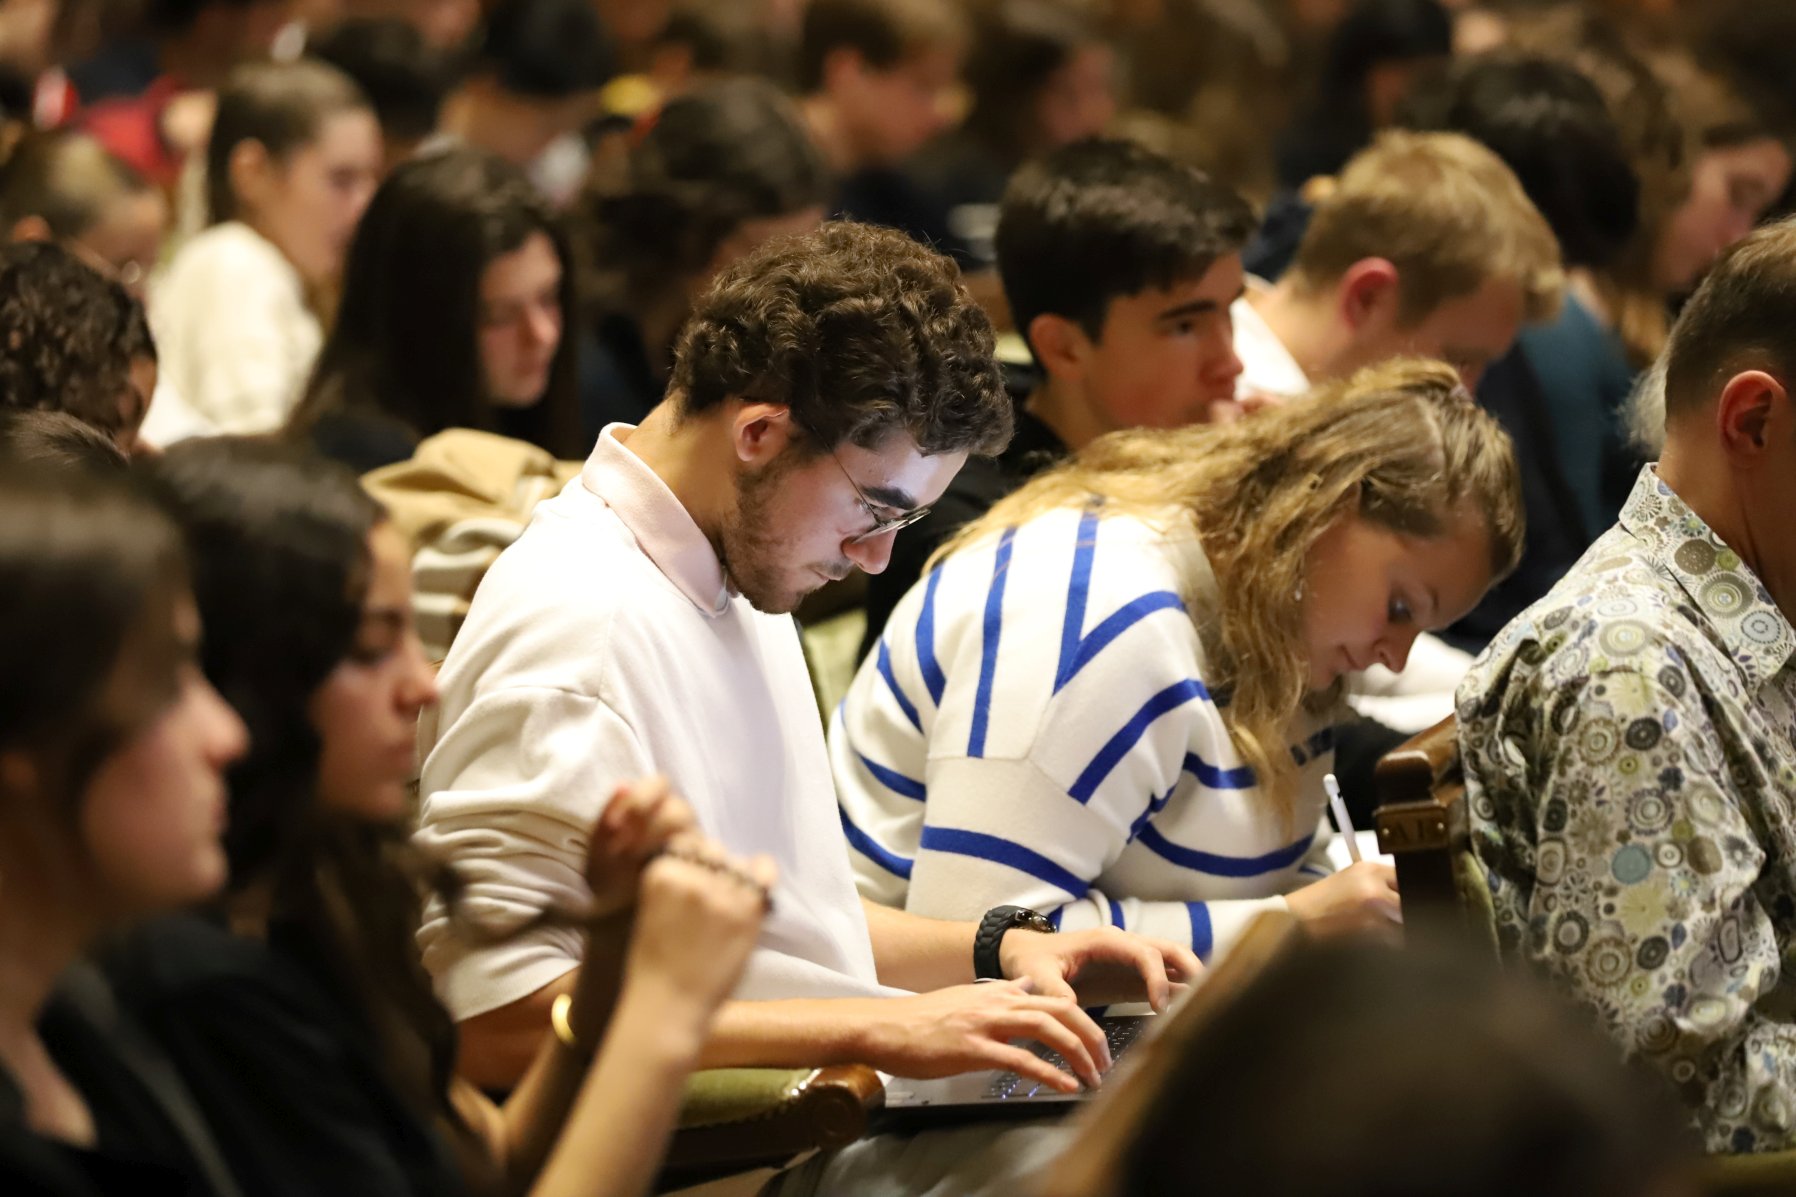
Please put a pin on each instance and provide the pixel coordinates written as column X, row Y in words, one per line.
column 663, row 528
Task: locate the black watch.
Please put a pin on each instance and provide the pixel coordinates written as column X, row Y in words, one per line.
column 992, row 927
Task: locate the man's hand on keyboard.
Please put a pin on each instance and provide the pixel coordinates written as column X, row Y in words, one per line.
column 965, row 1028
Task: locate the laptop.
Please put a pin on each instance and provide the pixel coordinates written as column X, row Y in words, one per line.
column 1000, row 1093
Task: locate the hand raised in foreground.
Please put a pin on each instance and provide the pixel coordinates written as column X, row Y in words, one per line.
column 637, row 825
column 697, row 920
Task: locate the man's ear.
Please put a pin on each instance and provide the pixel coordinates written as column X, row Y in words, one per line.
column 1367, row 294
column 760, row 432
column 1752, row 409
column 1061, row 346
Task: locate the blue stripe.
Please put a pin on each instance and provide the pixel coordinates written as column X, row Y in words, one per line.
column 988, row 660
column 1203, row 936
column 1001, row 851
column 1171, row 698
column 1078, row 586
column 1239, row 778
column 1116, row 915
column 1124, row 618
column 863, row 843
column 891, row 779
column 1054, row 916
column 1323, row 741
column 932, row 669
column 1154, row 807
column 904, row 703
column 1224, row 866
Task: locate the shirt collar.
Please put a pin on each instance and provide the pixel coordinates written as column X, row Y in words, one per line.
column 663, row 528
column 1728, row 596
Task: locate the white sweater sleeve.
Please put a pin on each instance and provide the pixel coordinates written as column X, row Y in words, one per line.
column 511, row 791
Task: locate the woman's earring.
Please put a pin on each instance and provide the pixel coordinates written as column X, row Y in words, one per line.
column 1299, row 595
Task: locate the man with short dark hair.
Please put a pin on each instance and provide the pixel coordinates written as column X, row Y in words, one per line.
column 824, row 392
column 1119, row 266
column 1630, row 739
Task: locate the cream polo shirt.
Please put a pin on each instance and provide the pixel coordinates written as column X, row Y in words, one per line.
column 605, row 644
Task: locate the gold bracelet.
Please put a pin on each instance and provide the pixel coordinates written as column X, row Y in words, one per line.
column 558, row 1021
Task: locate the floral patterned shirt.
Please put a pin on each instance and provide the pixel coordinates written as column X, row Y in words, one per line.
column 1630, row 753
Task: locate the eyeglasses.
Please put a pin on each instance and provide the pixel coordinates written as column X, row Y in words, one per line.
column 880, row 526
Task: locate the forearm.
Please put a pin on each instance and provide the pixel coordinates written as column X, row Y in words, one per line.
column 538, row 1108
column 496, row 1049
column 799, row 1033
column 632, row 1092
column 919, row 954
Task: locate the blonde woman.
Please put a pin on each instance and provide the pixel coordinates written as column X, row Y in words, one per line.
column 1111, row 699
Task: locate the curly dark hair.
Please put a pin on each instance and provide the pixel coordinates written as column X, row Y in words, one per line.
column 860, row 331
column 66, row 345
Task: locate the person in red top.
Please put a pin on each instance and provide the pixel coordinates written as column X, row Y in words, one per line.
column 197, row 44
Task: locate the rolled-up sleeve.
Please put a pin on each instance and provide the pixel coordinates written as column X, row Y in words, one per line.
column 510, row 793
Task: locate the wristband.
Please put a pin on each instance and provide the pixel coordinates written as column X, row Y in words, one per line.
column 990, row 937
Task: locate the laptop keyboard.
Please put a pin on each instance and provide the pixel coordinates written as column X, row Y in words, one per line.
column 1119, row 1032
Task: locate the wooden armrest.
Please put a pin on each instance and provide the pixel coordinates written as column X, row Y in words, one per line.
column 1761, row 1175
column 736, row 1119
column 1422, row 823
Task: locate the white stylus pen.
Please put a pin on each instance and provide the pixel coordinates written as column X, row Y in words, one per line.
column 1342, row 822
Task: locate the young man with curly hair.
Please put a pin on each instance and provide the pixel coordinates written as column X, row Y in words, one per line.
column 824, row 393
column 76, row 342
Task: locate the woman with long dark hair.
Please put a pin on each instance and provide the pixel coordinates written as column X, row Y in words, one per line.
column 455, row 298
column 112, row 752
column 301, row 1015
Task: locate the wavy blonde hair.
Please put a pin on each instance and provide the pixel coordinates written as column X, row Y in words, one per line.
column 1400, row 444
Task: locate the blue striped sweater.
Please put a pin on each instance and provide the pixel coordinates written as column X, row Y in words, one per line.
column 1036, row 726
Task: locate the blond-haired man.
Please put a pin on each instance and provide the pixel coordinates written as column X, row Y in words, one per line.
column 1425, row 245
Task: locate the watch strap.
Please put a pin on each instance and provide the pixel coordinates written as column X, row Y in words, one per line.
column 987, row 965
